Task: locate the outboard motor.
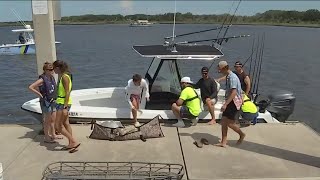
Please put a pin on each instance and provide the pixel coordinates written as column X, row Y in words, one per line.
column 280, row 105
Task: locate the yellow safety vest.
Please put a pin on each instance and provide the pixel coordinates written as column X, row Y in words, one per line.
column 248, row 106
column 61, row 91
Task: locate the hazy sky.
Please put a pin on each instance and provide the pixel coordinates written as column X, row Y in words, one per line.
column 153, row 7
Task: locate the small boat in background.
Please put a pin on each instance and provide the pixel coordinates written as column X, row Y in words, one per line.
column 141, row 23
column 25, row 45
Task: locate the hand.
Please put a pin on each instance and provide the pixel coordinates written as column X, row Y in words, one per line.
column 148, row 99
column 223, row 108
column 218, row 80
column 134, row 108
column 65, row 112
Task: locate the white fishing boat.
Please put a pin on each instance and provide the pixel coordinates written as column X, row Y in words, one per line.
column 141, row 23
column 24, row 46
column 163, row 77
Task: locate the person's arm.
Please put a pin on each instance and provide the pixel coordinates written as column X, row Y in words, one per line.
column 146, row 86
column 231, row 96
column 214, row 89
column 66, row 82
column 248, row 84
column 179, row 102
column 197, row 85
column 35, row 86
column 221, row 79
column 182, row 98
column 128, row 94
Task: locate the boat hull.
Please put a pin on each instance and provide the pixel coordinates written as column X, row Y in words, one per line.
column 110, row 104
column 16, row 49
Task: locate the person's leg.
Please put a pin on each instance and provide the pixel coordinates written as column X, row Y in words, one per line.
column 134, row 110
column 234, row 115
column 46, row 127
column 224, row 132
column 63, row 131
column 210, row 103
column 177, row 112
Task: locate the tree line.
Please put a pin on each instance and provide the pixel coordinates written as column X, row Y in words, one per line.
column 311, row 16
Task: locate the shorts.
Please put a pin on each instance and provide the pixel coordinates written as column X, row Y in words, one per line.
column 249, row 116
column 47, row 107
column 60, row 107
column 136, row 97
column 231, row 112
column 185, row 113
column 213, row 101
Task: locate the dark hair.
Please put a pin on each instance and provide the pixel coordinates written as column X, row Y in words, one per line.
column 64, row 68
column 204, row 69
column 136, row 77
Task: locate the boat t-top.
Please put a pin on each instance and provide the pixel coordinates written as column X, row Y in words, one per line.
column 141, row 23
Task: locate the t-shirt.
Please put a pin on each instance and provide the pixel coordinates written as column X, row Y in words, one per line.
column 193, row 105
column 131, row 88
column 233, row 82
column 208, row 88
column 241, row 77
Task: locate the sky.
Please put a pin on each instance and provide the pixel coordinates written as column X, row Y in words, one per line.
column 73, row 7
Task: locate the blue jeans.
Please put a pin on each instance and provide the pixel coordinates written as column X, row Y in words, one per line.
column 252, row 117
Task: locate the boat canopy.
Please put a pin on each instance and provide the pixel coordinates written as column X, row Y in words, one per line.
column 179, row 51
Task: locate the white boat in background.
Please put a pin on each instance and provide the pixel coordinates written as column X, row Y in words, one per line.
column 163, row 77
column 141, row 23
column 27, row 47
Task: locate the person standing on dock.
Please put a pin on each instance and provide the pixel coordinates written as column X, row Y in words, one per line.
column 209, row 92
column 230, row 108
column 45, row 88
column 137, row 87
column 64, row 103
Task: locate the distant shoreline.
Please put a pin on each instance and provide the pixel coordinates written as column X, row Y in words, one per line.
column 6, row 24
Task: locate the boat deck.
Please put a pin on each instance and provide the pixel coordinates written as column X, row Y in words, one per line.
column 275, row 151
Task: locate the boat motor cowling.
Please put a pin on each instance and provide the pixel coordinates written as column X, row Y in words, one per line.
column 281, row 105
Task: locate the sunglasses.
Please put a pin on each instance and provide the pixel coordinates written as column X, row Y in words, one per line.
column 238, row 66
column 50, row 69
column 204, row 72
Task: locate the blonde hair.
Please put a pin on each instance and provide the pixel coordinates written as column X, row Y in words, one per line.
column 46, row 66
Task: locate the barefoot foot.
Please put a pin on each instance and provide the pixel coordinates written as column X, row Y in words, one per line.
column 221, row 145
column 212, row 122
column 241, row 139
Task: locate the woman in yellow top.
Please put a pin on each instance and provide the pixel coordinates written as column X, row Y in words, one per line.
column 64, row 103
column 249, row 110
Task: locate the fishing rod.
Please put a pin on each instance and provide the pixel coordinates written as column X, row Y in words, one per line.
column 215, row 39
column 226, row 31
column 260, row 65
column 196, row 32
column 254, row 78
column 225, row 20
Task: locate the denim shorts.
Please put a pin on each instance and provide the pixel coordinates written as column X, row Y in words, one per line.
column 47, row 107
column 60, row 107
column 249, row 116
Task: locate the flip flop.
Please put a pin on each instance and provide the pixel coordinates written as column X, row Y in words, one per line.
column 204, row 141
column 74, row 149
column 50, row 142
column 58, row 137
column 65, row 148
column 198, row 144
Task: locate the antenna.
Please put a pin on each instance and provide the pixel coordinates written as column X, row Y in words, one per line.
column 19, row 18
column 174, row 19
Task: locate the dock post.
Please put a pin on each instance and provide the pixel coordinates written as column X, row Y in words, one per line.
column 42, row 16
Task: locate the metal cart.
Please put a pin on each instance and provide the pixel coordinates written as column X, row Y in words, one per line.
column 112, row 170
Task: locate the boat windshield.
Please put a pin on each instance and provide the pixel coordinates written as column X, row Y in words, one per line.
column 164, row 76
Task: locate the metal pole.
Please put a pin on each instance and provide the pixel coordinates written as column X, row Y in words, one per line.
column 42, row 16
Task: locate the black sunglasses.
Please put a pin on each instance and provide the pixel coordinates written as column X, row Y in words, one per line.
column 50, row 69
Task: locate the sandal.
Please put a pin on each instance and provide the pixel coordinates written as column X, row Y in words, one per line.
column 198, row 144
column 74, row 149
column 204, row 141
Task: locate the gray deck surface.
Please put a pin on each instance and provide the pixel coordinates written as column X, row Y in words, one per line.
column 270, row 151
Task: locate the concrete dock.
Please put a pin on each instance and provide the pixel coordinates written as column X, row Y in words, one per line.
column 270, row 151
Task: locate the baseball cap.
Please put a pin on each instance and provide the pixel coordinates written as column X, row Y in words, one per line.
column 186, row 80
column 222, row 64
column 238, row 63
column 205, row 69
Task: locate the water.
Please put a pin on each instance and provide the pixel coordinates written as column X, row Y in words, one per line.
column 101, row 56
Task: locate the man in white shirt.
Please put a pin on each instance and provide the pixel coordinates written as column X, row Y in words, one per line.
column 136, row 88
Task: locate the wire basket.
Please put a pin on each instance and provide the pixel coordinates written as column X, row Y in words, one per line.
column 112, row 170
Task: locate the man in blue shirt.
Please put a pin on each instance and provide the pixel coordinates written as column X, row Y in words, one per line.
column 232, row 104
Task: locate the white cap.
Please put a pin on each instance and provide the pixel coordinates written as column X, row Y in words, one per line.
column 222, row 64
column 186, row 80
